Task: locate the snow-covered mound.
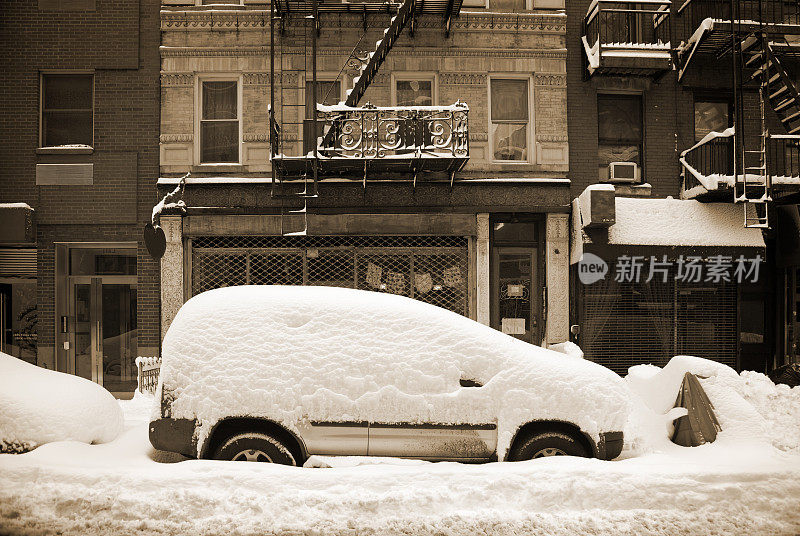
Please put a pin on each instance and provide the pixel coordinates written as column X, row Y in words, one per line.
column 39, row 406
column 334, row 354
column 749, row 407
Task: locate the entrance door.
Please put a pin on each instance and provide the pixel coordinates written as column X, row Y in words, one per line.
column 103, row 317
column 517, row 292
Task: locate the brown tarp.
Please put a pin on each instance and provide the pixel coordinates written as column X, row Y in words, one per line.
column 699, row 425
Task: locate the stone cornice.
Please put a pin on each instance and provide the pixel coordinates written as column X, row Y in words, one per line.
column 259, row 19
column 177, row 79
column 555, row 53
column 551, row 138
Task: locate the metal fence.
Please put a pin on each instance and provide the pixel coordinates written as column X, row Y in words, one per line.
column 148, row 370
column 432, row 269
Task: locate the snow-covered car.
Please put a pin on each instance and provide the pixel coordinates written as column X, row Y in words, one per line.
column 278, row 373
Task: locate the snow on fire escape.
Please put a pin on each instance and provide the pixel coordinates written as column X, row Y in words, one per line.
column 748, row 161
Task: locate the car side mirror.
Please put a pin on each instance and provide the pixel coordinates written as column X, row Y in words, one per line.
column 469, row 383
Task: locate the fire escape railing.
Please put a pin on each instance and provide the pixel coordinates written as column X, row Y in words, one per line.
column 692, row 13
column 628, row 22
column 709, row 163
column 387, row 132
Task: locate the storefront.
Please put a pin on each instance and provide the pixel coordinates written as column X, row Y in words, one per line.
column 665, row 277
column 18, row 311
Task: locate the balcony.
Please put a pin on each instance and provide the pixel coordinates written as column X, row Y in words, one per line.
column 705, row 26
column 355, row 142
column 625, row 37
column 708, row 166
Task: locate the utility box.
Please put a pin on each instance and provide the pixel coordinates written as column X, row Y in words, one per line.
column 597, row 208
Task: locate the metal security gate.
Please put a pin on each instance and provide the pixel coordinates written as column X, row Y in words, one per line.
column 432, row 269
column 626, row 324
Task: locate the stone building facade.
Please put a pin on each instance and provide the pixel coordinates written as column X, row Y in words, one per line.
column 79, row 120
column 489, row 242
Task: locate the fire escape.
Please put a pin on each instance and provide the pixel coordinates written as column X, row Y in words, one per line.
column 755, row 38
column 311, row 141
column 746, row 163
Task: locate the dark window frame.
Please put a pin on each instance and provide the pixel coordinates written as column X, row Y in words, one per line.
column 640, row 141
column 43, row 76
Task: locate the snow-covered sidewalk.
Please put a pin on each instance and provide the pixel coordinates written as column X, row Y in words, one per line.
column 118, row 488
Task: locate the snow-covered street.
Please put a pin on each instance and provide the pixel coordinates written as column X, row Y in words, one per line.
column 120, row 488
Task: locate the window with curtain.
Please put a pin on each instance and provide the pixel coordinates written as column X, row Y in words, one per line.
column 414, row 92
column 620, row 131
column 67, row 109
column 219, row 123
column 509, row 119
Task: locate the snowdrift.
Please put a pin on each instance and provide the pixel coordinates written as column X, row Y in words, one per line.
column 39, row 406
column 334, row 354
column 749, row 407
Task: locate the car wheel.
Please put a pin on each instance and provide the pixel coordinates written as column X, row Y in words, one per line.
column 544, row 444
column 254, row 447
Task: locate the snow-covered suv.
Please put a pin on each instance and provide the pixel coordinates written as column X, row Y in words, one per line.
column 272, row 373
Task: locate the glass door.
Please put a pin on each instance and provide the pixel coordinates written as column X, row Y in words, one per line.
column 517, row 293
column 104, row 332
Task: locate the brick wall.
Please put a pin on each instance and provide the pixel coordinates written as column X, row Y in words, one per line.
column 118, row 42
column 668, row 111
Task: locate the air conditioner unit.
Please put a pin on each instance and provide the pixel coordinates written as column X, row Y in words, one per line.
column 623, row 172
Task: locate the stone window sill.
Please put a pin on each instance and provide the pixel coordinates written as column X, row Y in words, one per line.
column 65, row 149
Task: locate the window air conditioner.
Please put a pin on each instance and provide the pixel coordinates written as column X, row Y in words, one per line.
column 623, row 172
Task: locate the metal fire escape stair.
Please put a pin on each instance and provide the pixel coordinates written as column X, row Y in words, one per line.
column 753, row 187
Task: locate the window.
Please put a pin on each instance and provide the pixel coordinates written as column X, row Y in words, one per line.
column 711, row 115
column 619, row 131
column 328, row 93
column 413, row 92
column 67, row 109
column 509, row 119
column 508, row 6
column 219, row 122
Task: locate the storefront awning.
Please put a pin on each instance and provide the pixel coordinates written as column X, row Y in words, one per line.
column 668, row 225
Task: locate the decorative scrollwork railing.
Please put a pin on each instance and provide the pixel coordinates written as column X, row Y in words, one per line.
column 372, row 132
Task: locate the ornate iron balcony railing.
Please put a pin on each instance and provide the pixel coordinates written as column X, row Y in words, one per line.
column 370, row 132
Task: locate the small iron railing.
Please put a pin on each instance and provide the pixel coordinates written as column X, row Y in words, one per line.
column 692, row 13
column 783, row 156
column 370, row 132
column 149, row 368
column 710, row 161
column 628, row 22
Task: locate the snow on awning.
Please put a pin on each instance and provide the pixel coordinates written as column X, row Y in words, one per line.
column 667, row 226
column 679, row 222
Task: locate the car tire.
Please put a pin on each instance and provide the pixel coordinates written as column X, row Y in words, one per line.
column 255, row 447
column 548, row 443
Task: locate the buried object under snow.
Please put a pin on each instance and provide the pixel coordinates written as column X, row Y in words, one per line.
column 699, row 425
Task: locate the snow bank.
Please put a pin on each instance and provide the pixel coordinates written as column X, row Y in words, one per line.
column 334, row 354
column 39, row 406
column 568, row 348
column 749, row 407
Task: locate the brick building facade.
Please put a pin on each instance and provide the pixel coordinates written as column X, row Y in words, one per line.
column 79, row 119
column 489, row 241
column 648, row 83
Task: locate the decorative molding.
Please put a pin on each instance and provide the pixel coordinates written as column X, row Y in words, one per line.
column 255, row 79
column 206, row 20
column 463, row 79
column 255, row 138
column 175, row 138
column 559, row 80
column 552, row 53
column 258, row 20
column 478, row 136
column 553, row 138
column 177, row 79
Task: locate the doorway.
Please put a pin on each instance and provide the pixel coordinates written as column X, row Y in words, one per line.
column 100, row 324
column 516, row 278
